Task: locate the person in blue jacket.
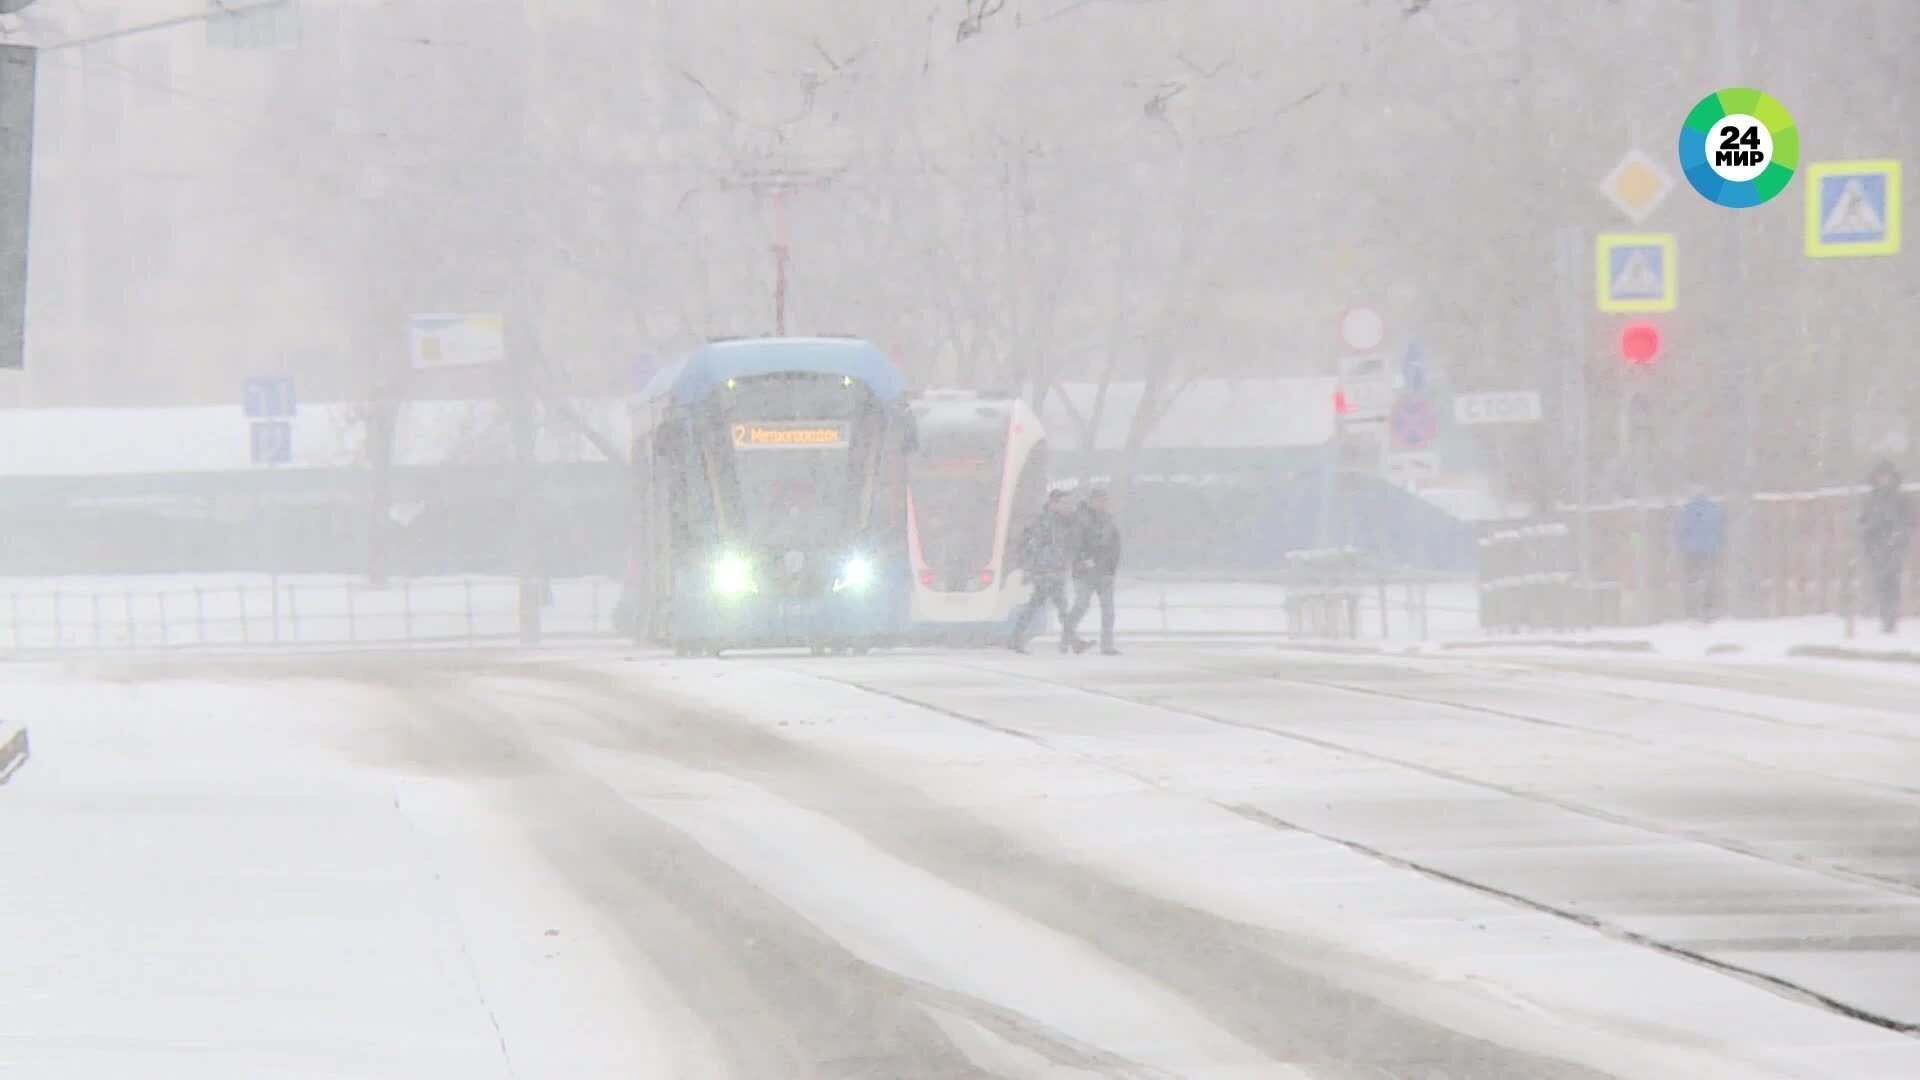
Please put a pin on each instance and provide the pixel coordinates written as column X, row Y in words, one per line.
column 1700, row 532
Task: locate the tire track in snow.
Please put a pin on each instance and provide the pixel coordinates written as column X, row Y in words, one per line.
column 656, row 802
column 1241, row 976
column 778, row 997
column 1050, row 991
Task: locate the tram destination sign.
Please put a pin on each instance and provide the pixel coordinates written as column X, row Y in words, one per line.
column 801, row 435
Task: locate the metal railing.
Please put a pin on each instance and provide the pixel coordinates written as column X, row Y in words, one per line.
column 138, row 616
column 467, row 611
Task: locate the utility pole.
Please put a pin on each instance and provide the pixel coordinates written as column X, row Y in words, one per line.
column 1576, row 358
column 1635, row 437
column 1739, row 345
column 775, row 186
column 382, row 432
column 777, row 195
column 526, row 556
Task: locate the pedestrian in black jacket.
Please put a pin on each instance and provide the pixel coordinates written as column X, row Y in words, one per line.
column 1886, row 528
column 1046, row 552
column 1094, row 570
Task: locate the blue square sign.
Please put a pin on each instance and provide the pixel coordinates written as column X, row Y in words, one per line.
column 267, row 397
column 272, row 442
column 1413, row 368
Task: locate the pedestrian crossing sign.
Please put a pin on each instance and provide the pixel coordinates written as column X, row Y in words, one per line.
column 1853, row 208
column 1636, row 272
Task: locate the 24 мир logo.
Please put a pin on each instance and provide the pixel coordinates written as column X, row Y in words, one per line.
column 1738, row 147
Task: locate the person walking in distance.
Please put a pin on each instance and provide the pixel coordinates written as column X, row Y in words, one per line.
column 1046, row 553
column 1094, row 569
column 1700, row 531
column 1886, row 528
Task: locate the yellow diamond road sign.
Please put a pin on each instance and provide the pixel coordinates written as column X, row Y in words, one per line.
column 1636, row 185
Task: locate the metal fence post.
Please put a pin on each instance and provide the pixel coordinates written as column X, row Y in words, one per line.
column 1847, row 603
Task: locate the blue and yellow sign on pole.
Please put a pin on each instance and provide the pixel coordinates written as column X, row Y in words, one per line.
column 1853, row 208
column 1636, row 272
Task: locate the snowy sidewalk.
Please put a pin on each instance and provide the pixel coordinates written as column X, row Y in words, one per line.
column 197, row 895
column 211, row 881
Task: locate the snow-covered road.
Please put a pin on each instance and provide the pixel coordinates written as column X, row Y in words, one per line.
column 1190, row 862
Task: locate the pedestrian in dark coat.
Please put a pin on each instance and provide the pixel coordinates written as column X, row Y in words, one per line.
column 1886, row 528
column 1046, row 552
column 1700, row 532
column 1094, row 570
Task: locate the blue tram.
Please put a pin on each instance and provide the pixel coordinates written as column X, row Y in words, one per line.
column 771, row 485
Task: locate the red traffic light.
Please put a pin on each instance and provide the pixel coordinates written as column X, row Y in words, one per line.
column 1340, row 406
column 1639, row 343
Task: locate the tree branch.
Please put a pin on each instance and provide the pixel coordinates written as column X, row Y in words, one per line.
column 978, row 12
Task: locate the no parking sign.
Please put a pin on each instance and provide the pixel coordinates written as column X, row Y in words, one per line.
column 1414, row 422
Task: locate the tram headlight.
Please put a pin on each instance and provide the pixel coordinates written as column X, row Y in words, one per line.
column 732, row 575
column 857, row 573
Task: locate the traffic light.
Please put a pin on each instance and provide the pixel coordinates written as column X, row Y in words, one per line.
column 1639, row 343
